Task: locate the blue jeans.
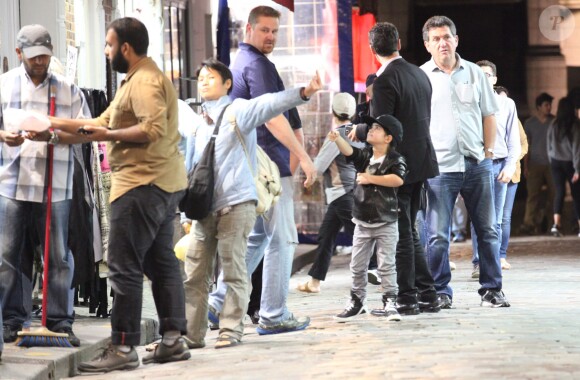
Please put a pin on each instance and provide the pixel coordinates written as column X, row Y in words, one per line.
column 273, row 238
column 506, row 220
column 476, row 187
column 25, row 221
column 499, row 195
column 459, row 219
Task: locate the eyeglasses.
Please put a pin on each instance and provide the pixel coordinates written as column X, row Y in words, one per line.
column 489, row 75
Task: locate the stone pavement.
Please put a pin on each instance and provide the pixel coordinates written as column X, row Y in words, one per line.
column 537, row 338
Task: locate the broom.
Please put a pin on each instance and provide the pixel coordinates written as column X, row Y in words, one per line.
column 43, row 337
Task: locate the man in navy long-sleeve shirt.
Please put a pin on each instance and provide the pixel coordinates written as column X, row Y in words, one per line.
column 274, row 236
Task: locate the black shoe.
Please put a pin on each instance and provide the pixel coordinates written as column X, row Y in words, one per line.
column 445, row 301
column 494, row 298
column 255, row 317
column 389, row 309
column 430, row 306
column 355, row 309
column 373, row 277
column 391, row 312
column 407, row 308
column 72, row 338
column 111, row 359
column 556, row 231
column 10, row 333
column 165, row 354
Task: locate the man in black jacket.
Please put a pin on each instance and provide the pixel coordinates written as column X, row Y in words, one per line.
column 404, row 91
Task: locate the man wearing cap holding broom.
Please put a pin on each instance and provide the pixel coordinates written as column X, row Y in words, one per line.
column 23, row 186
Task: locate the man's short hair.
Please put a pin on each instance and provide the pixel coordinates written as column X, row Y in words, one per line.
column 438, row 22
column 133, row 32
column 384, row 38
column 489, row 64
column 220, row 68
column 543, row 97
column 500, row 89
column 262, row 11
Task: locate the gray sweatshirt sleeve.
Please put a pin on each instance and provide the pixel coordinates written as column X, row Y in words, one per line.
column 326, row 155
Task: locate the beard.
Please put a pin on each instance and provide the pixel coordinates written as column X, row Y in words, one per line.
column 119, row 63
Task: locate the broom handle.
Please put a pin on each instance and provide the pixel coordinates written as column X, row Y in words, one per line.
column 48, row 218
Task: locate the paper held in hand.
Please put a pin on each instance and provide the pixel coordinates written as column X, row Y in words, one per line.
column 17, row 120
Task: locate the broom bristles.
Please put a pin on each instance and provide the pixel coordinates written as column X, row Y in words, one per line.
column 42, row 337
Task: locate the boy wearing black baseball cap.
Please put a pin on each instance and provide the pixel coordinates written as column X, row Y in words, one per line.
column 380, row 171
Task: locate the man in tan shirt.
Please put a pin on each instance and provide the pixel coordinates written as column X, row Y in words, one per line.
column 149, row 177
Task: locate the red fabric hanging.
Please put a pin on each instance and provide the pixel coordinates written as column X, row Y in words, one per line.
column 286, row 3
column 365, row 62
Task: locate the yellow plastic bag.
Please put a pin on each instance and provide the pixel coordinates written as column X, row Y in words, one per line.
column 181, row 247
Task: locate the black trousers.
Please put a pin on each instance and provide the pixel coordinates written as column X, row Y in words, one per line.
column 562, row 172
column 141, row 242
column 338, row 214
column 413, row 276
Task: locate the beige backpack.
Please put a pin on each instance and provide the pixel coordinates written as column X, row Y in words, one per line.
column 267, row 178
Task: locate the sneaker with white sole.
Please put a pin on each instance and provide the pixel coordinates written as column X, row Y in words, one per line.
column 390, row 309
column 555, row 231
column 475, row 271
column 354, row 310
column 494, row 298
column 287, row 325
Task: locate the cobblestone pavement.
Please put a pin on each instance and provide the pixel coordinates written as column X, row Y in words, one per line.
column 537, row 338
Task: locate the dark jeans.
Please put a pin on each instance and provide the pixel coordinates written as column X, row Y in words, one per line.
column 141, row 242
column 562, row 172
column 338, row 214
column 413, row 276
column 256, row 295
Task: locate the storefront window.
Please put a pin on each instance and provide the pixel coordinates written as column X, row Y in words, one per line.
column 175, row 42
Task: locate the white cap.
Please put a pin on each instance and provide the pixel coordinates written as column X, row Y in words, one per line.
column 343, row 103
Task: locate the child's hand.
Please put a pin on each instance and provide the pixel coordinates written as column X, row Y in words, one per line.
column 333, row 135
column 363, row 179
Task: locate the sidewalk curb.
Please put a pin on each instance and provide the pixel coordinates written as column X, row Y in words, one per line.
column 42, row 363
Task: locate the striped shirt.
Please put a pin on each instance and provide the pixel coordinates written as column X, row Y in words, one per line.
column 23, row 168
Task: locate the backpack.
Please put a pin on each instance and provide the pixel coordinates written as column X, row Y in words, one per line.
column 198, row 198
column 267, row 178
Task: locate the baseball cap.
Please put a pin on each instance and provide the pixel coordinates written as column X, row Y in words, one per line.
column 34, row 40
column 390, row 124
column 343, row 103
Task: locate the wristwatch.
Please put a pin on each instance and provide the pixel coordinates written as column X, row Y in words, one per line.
column 489, row 150
column 53, row 140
